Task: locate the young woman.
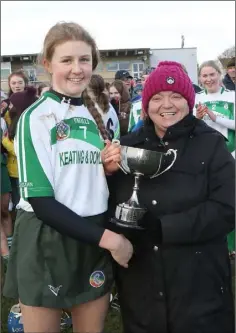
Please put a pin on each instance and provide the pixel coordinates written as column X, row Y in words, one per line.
column 17, row 82
column 120, row 100
column 96, row 93
column 61, row 252
column 179, row 278
column 216, row 106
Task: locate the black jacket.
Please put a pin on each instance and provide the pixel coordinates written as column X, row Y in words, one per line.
column 182, row 285
column 228, row 83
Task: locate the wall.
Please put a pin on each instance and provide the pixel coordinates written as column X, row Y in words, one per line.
column 186, row 56
column 110, row 75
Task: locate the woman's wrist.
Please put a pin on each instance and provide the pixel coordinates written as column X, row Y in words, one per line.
column 109, row 240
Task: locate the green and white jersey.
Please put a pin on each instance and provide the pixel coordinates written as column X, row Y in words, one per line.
column 135, row 114
column 222, row 104
column 58, row 149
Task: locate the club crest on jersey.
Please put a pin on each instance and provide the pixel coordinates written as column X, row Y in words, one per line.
column 63, row 131
column 97, row 279
column 170, row 80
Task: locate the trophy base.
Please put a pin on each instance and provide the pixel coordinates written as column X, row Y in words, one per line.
column 127, row 225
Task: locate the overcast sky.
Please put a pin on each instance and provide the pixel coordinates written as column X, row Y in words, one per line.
column 207, row 25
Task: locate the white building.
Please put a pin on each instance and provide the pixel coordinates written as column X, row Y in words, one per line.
column 186, row 56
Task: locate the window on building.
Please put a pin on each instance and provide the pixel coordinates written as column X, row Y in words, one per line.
column 125, row 66
column 112, row 67
column 5, row 73
column 5, row 70
column 116, row 66
column 138, row 69
column 99, row 67
column 31, row 72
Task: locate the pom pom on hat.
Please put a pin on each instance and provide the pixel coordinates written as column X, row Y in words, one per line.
column 168, row 76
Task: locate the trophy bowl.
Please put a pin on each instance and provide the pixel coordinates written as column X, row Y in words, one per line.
column 140, row 163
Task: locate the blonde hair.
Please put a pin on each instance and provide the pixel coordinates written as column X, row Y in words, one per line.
column 70, row 31
column 209, row 63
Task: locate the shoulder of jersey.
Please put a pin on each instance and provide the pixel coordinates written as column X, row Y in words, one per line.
column 202, row 92
column 137, row 102
column 40, row 105
column 137, row 105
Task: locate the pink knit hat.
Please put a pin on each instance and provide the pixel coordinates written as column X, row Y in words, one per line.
column 168, row 76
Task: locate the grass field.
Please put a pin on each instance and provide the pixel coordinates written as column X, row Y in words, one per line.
column 113, row 322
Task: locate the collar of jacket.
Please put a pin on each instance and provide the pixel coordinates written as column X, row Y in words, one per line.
column 183, row 128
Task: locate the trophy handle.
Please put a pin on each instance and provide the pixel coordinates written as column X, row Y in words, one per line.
column 119, row 165
column 169, row 152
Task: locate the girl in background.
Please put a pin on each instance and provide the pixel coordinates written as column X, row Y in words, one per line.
column 17, row 82
column 216, row 106
column 6, row 222
column 120, row 100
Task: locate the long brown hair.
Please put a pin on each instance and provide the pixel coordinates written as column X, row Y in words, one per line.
column 70, row 31
column 97, row 87
column 124, row 105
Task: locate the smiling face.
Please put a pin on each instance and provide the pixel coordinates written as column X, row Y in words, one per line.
column 210, row 79
column 17, row 84
column 114, row 93
column 71, row 67
column 166, row 109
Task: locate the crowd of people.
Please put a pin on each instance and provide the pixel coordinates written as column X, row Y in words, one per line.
column 61, row 182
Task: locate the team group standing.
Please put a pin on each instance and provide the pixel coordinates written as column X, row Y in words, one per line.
column 61, row 182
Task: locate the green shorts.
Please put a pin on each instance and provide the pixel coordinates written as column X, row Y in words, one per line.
column 47, row 269
column 5, row 180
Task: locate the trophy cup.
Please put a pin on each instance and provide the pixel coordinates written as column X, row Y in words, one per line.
column 140, row 163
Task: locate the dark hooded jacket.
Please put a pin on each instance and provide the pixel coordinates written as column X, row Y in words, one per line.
column 179, row 279
column 228, row 83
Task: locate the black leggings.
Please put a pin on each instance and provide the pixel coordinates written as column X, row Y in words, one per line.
column 15, row 194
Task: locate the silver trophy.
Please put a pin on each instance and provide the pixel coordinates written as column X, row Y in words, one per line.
column 139, row 162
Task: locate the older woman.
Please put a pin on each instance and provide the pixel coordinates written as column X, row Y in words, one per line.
column 179, row 279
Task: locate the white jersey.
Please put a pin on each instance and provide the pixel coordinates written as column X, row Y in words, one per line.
column 135, row 114
column 222, row 104
column 111, row 121
column 58, row 149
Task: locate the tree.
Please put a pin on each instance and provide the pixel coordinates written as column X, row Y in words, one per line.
column 228, row 53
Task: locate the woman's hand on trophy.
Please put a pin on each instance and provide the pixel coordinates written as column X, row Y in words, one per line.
column 120, row 247
column 111, row 156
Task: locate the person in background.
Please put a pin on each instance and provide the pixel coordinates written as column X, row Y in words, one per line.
column 135, row 119
column 216, row 106
column 127, row 79
column 17, row 82
column 229, row 79
column 19, row 102
column 96, row 94
column 120, row 100
column 138, row 89
column 6, row 221
column 42, row 88
column 179, row 279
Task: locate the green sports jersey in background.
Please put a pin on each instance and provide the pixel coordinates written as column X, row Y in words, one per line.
column 134, row 114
